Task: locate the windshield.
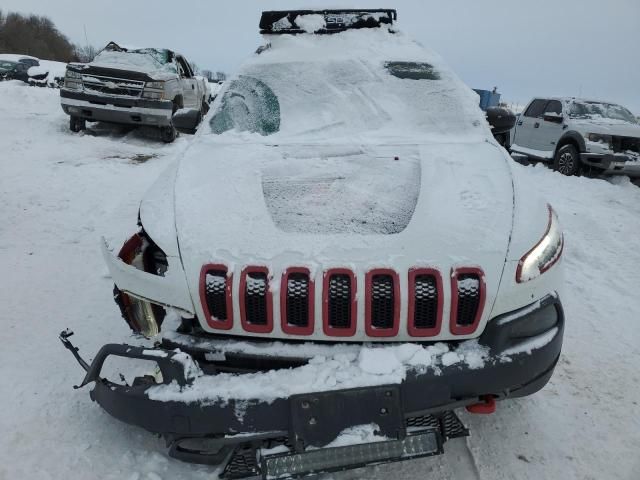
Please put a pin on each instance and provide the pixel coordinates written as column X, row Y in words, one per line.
column 7, row 65
column 598, row 110
column 325, row 99
column 147, row 58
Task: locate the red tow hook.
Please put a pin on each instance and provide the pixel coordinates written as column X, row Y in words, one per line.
column 487, row 406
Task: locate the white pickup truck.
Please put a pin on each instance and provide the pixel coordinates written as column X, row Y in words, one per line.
column 578, row 134
column 134, row 86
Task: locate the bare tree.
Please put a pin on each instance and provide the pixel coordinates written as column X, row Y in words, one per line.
column 33, row 35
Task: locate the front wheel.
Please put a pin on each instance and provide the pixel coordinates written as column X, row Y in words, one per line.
column 77, row 124
column 567, row 160
column 168, row 134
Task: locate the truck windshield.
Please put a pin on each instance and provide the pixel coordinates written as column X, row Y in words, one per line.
column 7, row 65
column 598, row 110
column 145, row 58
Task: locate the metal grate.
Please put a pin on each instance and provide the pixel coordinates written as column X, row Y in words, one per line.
column 243, row 464
column 423, row 421
column 382, row 301
column 255, row 298
column 451, row 426
column 216, row 294
column 340, row 301
column 298, row 299
column 425, row 314
column 468, row 298
column 120, row 87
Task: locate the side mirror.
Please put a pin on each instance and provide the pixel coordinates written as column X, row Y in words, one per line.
column 553, row 117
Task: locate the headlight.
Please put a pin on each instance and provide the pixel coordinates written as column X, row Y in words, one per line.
column 598, row 138
column 73, row 80
column 142, row 316
column 544, row 254
column 153, row 90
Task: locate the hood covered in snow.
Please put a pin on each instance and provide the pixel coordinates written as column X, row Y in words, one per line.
column 357, row 207
column 606, row 126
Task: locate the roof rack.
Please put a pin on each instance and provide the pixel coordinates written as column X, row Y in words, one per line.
column 284, row 21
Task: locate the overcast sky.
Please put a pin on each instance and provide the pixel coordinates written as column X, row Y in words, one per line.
column 526, row 48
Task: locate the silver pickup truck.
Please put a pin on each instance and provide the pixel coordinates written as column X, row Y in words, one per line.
column 133, row 86
column 576, row 134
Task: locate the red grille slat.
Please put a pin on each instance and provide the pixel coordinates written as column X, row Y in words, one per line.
column 286, row 303
column 419, row 323
column 256, row 300
column 382, row 303
column 218, row 297
column 339, row 304
column 467, row 304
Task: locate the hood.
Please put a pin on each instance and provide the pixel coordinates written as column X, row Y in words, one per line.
column 608, row 127
column 349, row 206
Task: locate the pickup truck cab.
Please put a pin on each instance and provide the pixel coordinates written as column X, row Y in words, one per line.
column 575, row 133
column 134, row 86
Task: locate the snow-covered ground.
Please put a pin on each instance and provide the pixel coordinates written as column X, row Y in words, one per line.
column 60, row 191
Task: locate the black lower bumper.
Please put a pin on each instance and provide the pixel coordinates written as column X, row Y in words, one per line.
column 524, row 348
column 112, row 109
column 613, row 164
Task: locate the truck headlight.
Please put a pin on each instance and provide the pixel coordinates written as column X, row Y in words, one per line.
column 544, row 254
column 73, row 80
column 153, row 90
column 598, row 138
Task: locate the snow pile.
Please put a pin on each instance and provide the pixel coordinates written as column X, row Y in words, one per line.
column 330, row 367
column 311, row 23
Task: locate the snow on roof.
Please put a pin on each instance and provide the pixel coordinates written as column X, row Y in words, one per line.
column 14, row 57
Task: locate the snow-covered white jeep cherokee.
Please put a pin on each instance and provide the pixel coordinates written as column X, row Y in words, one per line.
column 133, row 86
column 342, row 257
column 575, row 133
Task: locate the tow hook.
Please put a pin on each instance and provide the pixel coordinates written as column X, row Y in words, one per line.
column 487, row 406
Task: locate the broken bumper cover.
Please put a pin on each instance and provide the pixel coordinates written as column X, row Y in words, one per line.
column 613, row 163
column 107, row 108
column 524, row 348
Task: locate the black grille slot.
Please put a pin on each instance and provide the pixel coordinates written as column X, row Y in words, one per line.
column 340, row 301
column 255, row 298
column 216, row 293
column 382, row 301
column 425, row 313
column 298, row 299
column 468, row 298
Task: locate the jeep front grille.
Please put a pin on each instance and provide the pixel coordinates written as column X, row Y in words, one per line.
column 215, row 294
column 468, row 301
column 383, row 298
column 339, row 303
column 297, row 302
column 382, row 309
column 255, row 298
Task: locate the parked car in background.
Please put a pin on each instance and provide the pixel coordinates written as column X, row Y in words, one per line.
column 576, row 133
column 27, row 60
column 10, row 70
column 133, row 86
column 344, row 198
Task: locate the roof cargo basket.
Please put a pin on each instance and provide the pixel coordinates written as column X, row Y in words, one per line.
column 286, row 21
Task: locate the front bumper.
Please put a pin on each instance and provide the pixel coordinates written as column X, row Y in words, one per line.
column 613, row 164
column 524, row 348
column 106, row 108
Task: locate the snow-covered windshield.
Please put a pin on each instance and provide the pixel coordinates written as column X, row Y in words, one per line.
column 322, row 87
column 598, row 110
column 145, row 58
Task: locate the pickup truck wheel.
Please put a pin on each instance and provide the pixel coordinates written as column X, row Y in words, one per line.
column 168, row 134
column 567, row 160
column 77, row 124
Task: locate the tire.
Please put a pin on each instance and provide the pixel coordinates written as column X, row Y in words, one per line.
column 77, row 124
column 205, row 107
column 567, row 160
column 168, row 134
